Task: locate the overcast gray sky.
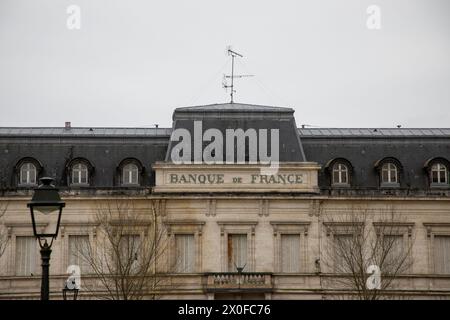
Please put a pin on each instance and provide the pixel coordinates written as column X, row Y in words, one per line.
column 132, row 62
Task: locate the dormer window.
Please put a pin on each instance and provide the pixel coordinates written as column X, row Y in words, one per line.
column 439, row 174
column 79, row 172
column 340, row 173
column 130, row 174
column 389, row 170
column 28, row 174
column 389, row 173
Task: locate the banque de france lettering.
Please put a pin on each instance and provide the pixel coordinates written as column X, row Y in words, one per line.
column 220, row 179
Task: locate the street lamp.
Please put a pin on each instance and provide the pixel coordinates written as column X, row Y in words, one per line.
column 45, row 201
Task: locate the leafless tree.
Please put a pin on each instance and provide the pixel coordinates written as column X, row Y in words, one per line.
column 3, row 232
column 127, row 258
column 365, row 253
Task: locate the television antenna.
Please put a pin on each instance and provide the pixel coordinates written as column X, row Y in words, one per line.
column 225, row 85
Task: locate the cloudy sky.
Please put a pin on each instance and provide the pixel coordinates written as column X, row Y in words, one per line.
column 132, row 62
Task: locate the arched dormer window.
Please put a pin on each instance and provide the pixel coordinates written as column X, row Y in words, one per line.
column 28, row 170
column 79, row 172
column 129, row 172
column 438, row 172
column 340, row 171
column 389, row 170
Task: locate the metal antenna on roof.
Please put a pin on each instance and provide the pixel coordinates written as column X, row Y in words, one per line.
column 233, row 55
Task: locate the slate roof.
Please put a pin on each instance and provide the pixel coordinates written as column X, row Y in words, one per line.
column 105, row 148
column 374, row 132
column 234, row 107
column 84, row 132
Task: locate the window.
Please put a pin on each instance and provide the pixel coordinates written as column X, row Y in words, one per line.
column 25, row 256
column 343, row 247
column 441, row 246
column 80, row 174
column 393, row 246
column 79, row 248
column 290, row 253
column 340, row 173
column 130, row 174
column 439, row 174
column 129, row 246
column 185, row 251
column 28, row 174
column 237, row 252
column 389, row 173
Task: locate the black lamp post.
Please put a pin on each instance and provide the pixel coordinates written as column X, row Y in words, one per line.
column 45, row 201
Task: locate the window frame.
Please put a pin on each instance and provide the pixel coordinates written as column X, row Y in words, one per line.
column 389, row 165
column 340, row 171
column 175, row 227
column 18, row 172
column 441, row 165
column 291, row 228
column 341, row 166
column 71, row 167
column 21, row 169
column 120, row 172
column 130, row 174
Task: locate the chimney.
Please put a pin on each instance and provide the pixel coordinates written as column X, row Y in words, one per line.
column 67, row 125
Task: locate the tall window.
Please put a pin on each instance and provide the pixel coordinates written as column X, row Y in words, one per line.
column 78, row 252
column 27, row 174
column 130, row 174
column 237, row 251
column 439, row 173
column 130, row 247
column 80, row 174
column 343, row 247
column 389, row 173
column 185, row 251
column 441, row 246
column 26, row 256
column 395, row 250
column 340, row 173
column 290, row 253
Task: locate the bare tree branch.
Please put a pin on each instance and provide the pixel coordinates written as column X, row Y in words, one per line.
column 358, row 239
column 126, row 260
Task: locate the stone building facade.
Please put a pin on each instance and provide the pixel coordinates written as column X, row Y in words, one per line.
column 232, row 215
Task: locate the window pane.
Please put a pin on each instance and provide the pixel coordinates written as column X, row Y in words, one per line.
column 237, row 252
column 79, row 252
column 290, row 253
column 441, row 246
column 335, row 176
column 393, row 175
column 344, row 175
column 25, row 256
column 442, row 177
column 435, row 177
column 384, row 176
column 185, row 251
